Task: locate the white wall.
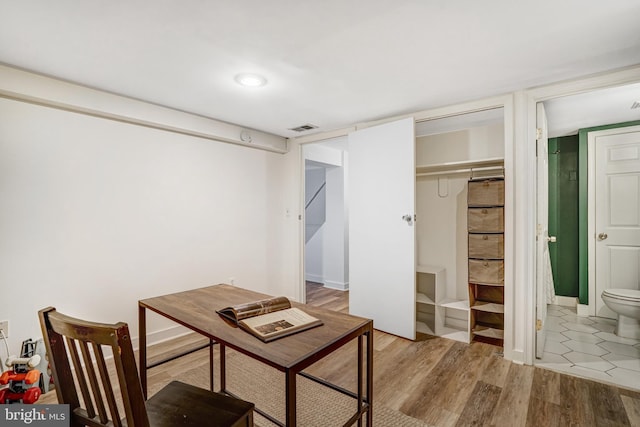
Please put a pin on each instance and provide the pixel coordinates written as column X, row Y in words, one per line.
column 315, row 217
column 441, row 229
column 314, row 258
column 315, row 213
column 335, row 270
column 96, row 214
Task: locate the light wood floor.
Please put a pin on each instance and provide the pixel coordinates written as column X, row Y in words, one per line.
column 444, row 383
column 448, row 383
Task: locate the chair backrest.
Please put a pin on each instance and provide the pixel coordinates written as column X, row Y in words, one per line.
column 80, row 369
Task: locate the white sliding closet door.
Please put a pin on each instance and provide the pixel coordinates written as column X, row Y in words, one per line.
column 381, row 227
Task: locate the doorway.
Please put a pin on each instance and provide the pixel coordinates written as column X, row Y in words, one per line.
column 325, row 217
column 580, row 340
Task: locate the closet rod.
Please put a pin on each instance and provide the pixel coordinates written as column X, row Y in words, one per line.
column 465, row 170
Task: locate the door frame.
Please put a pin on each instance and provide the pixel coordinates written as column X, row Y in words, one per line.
column 525, row 139
column 542, row 224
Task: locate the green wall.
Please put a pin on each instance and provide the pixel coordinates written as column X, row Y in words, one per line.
column 583, row 212
column 563, row 214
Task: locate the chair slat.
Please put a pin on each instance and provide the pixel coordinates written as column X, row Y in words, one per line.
column 80, row 376
column 93, row 380
column 128, row 392
column 106, row 384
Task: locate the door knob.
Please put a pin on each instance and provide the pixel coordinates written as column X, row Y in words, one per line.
column 602, row 236
column 551, row 239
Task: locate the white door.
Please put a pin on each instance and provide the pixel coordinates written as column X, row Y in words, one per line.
column 544, row 278
column 617, row 212
column 381, row 230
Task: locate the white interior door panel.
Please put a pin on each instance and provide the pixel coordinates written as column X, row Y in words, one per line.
column 381, row 227
column 617, row 213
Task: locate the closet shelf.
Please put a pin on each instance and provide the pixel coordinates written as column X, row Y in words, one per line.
column 424, row 328
column 424, row 299
column 489, row 307
column 455, row 334
column 435, row 313
column 429, row 269
column 455, row 304
column 486, row 206
column 467, row 166
column 501, row 285
column 484, row 331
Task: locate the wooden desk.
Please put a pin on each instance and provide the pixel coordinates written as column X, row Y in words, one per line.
column 196, row 310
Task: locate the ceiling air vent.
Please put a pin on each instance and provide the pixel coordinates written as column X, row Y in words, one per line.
column 304, row 128
column 635, row 105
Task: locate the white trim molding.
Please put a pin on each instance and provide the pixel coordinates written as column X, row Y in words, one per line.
column 340, row 286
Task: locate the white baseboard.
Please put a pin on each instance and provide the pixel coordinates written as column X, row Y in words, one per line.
column 516, row 356
column 316, row 278
column 160, row 336
column 583, row 310
column 341, row 286
column 566, row 301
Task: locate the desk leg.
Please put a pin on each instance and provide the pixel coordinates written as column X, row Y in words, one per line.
column 211, row 365
column 290, row 398
column 142, row 351
column 223, row 368
column 370, row 377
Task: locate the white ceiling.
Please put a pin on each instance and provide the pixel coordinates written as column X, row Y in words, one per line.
column 332, row 63
column 569, row 114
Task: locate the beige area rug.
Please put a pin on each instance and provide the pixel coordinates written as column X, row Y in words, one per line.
column 318, row 406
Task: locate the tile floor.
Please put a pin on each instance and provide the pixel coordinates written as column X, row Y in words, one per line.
column 588, row 348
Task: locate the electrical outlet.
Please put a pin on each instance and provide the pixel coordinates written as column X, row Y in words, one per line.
column 4, row 325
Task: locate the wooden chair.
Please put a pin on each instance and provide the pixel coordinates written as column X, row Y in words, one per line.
column 99, row 402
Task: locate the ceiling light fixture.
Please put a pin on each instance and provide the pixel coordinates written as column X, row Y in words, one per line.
column 250, row 80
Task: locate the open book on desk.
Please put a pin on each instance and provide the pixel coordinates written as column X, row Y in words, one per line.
column 270, row 319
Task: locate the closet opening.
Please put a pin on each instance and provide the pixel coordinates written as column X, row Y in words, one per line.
column 460, row 226
column 404, row 246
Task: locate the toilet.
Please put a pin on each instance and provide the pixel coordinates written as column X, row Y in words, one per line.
column 626, row 304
